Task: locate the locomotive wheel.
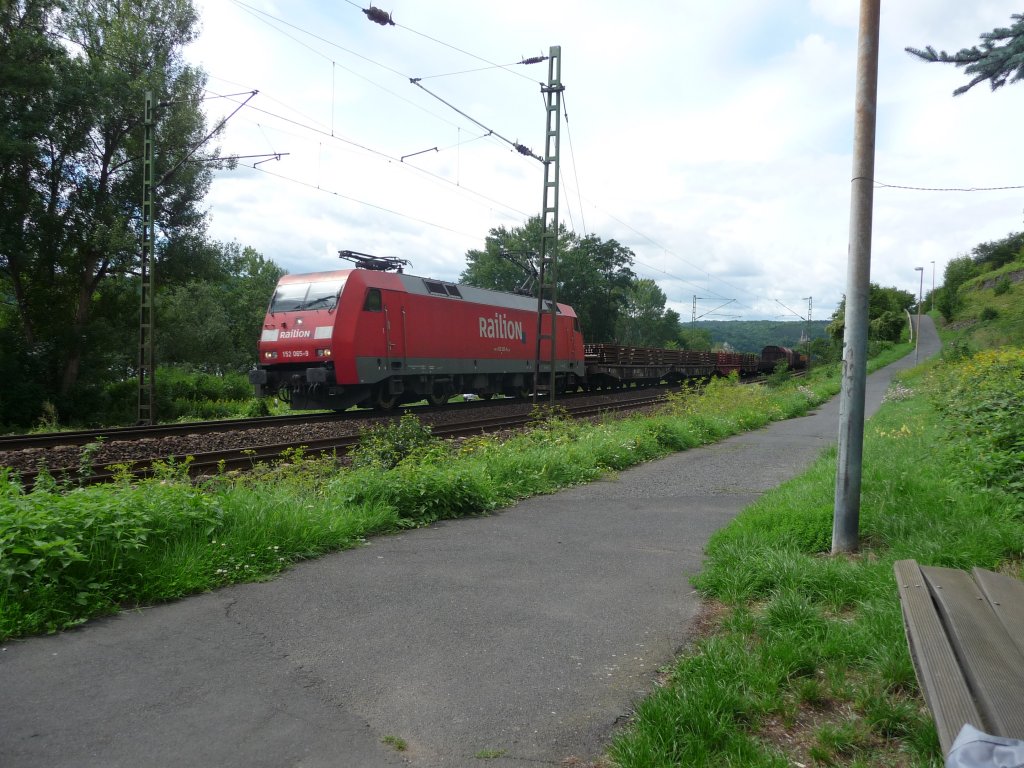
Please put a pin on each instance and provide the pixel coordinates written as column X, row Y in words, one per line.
column 382, row 400
column 438, row 395
column 521, row 392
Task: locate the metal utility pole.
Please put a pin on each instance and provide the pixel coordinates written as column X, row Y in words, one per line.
column 146, row 366
column 705, row 298
column 547, row 278
column 147, row 410
column 846, row 513
column 920, row 298
column 931, row 304
column 810, row 301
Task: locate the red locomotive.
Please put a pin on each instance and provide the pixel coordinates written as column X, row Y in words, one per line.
column 377, row 337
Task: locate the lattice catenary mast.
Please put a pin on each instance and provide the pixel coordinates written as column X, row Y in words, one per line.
column 547, row 279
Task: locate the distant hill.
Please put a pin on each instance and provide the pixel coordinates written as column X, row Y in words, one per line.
column 755, row 335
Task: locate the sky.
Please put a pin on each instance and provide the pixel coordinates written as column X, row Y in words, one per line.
column 714, row 140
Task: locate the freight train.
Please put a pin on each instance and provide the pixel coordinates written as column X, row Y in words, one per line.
column 375, row 336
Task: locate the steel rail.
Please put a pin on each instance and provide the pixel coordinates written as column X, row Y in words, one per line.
column 111, row 434
column 241, row 459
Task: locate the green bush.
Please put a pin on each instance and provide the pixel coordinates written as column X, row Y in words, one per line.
column 983, row 398
column 76, row 553
column 181, row 394
column 385, row 446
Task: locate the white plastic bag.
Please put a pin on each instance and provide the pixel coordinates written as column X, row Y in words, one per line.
column 974, row 749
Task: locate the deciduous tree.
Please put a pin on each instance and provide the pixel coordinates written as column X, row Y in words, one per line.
column 594, row 275
column 75, row 73
column 213, row 324
column 645, row 322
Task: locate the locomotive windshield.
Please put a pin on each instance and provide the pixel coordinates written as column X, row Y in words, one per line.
column 292, row 297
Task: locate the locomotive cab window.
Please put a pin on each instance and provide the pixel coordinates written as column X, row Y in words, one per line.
column 288, row 297
column 292, row 297
column 373, row 302
column 322, row 295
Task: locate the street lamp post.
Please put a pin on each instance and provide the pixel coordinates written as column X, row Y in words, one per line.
column 931, row 304
column 920, row 297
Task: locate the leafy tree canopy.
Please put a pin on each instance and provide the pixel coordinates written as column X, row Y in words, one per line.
column 984, row 257
column 694, row 338
column 212, row 323
column 644, row 320
column 999, row 252
column 883, row 305
column 999, row 59
column 594, row 275
column 75, row 74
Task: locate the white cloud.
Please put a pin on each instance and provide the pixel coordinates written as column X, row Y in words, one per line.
column 714, row 139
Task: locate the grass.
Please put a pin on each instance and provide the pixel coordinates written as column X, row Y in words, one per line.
column 396, row 742
column 809, row 663
column 68, row 554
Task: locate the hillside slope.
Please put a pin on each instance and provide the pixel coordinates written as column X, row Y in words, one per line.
column 991, row 313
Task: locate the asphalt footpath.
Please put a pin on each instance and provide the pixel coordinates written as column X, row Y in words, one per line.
column 518, row 639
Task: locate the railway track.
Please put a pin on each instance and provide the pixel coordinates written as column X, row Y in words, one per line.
column 157, row 431
column 86, row 436
column 244, row 455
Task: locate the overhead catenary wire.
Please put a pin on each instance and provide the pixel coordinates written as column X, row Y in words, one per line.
column 256, row 11
column 259, row 15
column 439, row 42
column 680, row 258
column 946, row 189
column 480, row 195
column 520, row 148
column 322, row 131
column 195, row 148
column 473, row 71
column 324, row 190
column 396, row 160
column 264, row 16
column 490, row 132
column 572, row 154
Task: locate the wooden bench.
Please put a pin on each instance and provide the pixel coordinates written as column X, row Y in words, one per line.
column 966, row 637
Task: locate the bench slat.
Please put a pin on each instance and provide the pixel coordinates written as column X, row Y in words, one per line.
column 987, row 653
column 1006, row 595
column 938, row 671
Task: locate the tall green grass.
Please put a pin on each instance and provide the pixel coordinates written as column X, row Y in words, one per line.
column 67, row 554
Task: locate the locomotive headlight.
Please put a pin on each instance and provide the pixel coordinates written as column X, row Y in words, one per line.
column 270, row 355
column 323, row 352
